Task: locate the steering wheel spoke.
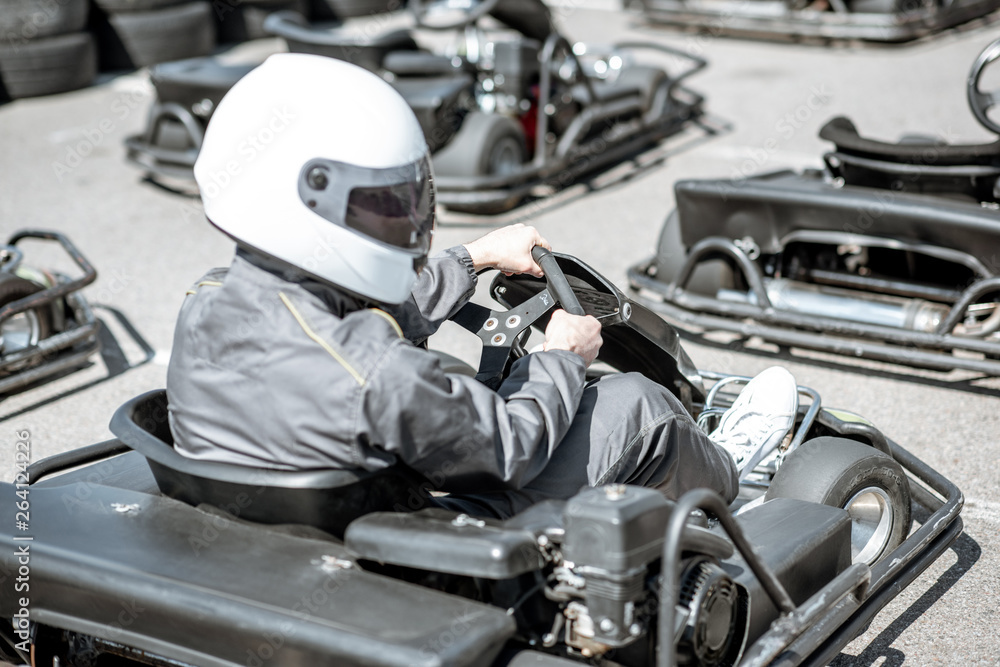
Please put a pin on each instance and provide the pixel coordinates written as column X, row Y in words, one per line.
column 504, row 332
column 499, row 330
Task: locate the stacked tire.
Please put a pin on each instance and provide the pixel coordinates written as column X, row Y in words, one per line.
column 44, row 48
column 138, row 33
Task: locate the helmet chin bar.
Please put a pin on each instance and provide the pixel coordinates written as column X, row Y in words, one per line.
column 391, row 206
column 293, row 273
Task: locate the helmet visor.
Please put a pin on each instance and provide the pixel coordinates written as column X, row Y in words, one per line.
column 393, row 206
column 400, row 214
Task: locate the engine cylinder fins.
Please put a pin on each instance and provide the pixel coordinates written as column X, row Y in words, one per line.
column 718, row 616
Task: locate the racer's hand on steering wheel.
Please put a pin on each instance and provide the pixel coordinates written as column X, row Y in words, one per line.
column 508, row 249
column 520, row 249
column 574, row 333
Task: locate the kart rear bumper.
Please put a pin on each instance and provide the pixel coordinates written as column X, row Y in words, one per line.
column 778, row 20
column 775, row 210
column 66, row 349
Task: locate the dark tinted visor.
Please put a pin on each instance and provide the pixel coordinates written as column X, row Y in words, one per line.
column 394, row 206
column 399, row 214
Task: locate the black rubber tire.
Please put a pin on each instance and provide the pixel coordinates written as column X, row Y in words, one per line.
column 245, row 20
column 138, row 39
column 653, row 83
column 831, row 471
column 47, row 66
column 25, row 20
column 476, row 148
column 709, row 276
column 14, row 287
column 118, row 6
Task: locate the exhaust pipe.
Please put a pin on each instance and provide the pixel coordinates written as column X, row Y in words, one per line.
column 889, row 311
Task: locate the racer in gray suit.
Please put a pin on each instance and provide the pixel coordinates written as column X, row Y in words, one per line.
column 307, row 351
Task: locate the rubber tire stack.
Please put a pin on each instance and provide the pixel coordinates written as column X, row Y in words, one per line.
column 43, row 49
column 240, row 20
column 139, row 33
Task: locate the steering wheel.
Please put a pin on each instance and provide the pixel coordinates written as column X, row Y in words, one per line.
column 471, row 10
column 981, row 102
column 500, row 330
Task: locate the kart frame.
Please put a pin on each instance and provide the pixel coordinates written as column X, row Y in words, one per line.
column 573, row 157
column 65, row 349
column 783, row 20
column 759, row 317
column 811, row 633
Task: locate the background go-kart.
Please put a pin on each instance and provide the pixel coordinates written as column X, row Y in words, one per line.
column 62, row 167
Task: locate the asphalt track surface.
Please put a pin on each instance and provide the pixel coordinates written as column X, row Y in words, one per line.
column 62, row 167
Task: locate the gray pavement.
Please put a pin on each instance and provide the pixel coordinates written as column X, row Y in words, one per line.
column 62, row 167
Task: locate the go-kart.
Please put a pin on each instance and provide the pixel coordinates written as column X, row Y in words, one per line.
column 890, row 253
column 826, row 20
column 511, row 110
column 46, row 326
column 138, row 555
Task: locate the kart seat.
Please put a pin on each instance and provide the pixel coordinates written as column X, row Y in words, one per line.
column 421, row 63
column 187, row 92
column 531, row 18
column 327, row 499
column 604, row 92
column 191, row 81
column 333, row 41
column 917, row 165
column 842, row 133
column 439, row 103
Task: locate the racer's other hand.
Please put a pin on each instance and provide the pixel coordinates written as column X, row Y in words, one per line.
column 508, row 249
column 574, row 333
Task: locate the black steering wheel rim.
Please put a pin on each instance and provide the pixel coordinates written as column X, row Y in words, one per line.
column 474, row 13
column 981, row 102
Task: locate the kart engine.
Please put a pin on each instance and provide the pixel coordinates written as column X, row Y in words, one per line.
column 608, row 581
column 513, row 88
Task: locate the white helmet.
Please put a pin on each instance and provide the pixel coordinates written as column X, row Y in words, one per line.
column 322, row 165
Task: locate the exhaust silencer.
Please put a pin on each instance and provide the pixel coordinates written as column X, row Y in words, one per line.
column 889, row 311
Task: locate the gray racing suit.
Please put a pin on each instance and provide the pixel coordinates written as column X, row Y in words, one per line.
column 272, row 369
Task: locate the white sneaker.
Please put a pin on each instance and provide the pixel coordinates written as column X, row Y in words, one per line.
column 759, row 419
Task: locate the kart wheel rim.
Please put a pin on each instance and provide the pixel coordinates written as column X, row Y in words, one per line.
column 505, row 158
column 19, row 332
column 871, row 516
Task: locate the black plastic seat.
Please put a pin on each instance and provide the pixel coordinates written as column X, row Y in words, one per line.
column 333, row 41
column 967, row 171
column 842, row 132
column 187, row 93
column 439, row 103
column 191, row 81
column 422, row 63
column 327, row 499
column 604, row 92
